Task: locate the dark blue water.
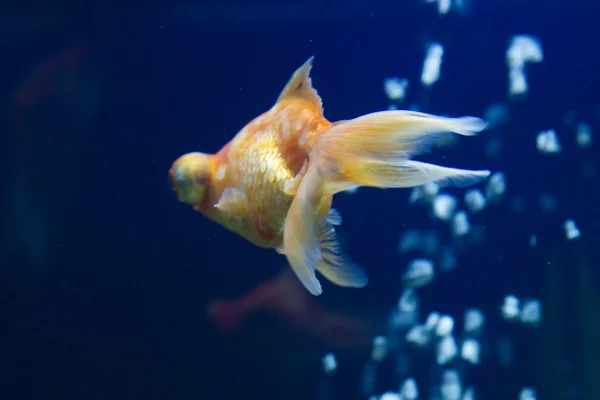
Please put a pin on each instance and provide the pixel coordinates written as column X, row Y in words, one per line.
column 116, row 307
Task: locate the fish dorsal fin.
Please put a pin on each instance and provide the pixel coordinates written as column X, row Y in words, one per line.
column 300, row 86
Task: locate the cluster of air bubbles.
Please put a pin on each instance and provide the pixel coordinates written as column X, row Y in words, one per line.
column 528, row 311
column 329, row 363
column 571, row 230
column 523, row 49
column 428, row 251
column 495, row 187
column 547, row 142
column 428, row 242
column 380, row 348
column 527, row 394
column 475, row 201
column 432, row 64
column 447, row 208
column 419, row 273
column 583, row 131
column 454, row 350
column 584, row 136
column 395, row 89
column 445, row 6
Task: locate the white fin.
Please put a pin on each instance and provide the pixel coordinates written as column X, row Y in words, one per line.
column 376, row 150
column 310, row 243
column 334, row 217
column 301, row 231
column 304, row 261
column 466, row 126
column 410, row 173
column 417, row 172
column 340, row 186
column 300, row 86
column 334, row 265
column 392, row 136
column 233, row 202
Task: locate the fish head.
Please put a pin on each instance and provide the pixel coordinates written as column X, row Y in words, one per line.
column 190, row 177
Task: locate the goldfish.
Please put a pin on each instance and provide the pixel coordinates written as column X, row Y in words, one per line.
column 274, row 182
column 285, row 297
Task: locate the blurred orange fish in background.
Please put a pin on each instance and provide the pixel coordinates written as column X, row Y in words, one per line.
column 61, row 85
column 273, row 183
column 44, row 76
column 285, row 297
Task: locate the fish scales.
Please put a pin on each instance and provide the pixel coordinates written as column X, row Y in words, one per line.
column 268, row 153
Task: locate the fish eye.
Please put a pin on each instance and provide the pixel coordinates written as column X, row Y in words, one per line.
column 177, row 177
column 200, row 180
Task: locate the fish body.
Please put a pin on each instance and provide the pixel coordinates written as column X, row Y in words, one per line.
column 273, row 183
column 250, row 174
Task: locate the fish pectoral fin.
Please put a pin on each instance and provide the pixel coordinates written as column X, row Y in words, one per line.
column 291, row 187
column 334, row 265
column 233, row 202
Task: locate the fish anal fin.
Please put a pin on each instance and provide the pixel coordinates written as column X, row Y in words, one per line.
column 334, row 265
column 334, row 217
column 300, row 233
column 300, row 87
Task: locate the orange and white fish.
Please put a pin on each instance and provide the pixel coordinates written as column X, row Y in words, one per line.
column 273, row 183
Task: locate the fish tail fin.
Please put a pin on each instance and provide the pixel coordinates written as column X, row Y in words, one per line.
column 376, row 149
column 372, row 150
